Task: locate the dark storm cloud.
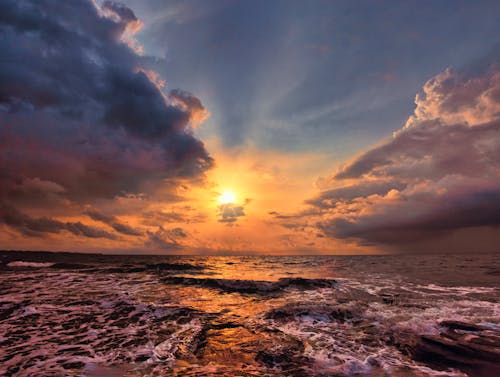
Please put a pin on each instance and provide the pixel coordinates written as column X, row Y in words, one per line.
column 420, row 217
column 125, row 15
column 330, row 197
column 113, row 222
column 190, row 104
column 185, row 214
column 165, row 239
column 156, row 217
column 81, row 114
column 41, row 226
column 230, row 212
column 454, row 131
column 435, row 178
column 431, row 150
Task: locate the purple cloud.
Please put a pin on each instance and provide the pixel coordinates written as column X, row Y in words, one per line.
column 41, row 226
column 165, row 239
column 82, row 116
column 436, row 177
column 113, row 222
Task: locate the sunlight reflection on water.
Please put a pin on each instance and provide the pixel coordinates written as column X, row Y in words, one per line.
column 276, row 316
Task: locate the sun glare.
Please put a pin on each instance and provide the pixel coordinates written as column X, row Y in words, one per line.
column 227, row 197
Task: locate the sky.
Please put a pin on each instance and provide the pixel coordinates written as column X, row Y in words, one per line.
column 250, row 127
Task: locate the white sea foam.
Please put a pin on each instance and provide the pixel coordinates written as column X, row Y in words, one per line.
column 130, row 324
column 29, row 264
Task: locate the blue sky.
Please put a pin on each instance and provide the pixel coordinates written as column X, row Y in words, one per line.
column 334, row 76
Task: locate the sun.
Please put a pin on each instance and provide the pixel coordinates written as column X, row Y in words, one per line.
column 227, row 197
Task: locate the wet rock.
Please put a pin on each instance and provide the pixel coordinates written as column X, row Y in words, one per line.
column 471, row 348
column 443, row 353
column 458, row 325
column 292, row 311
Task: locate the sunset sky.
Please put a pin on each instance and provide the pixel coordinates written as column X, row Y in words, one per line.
column 247, row 127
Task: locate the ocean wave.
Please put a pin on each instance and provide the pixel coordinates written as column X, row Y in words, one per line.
column 129, row 316
column 157, row 267
column 174, row 267
column 251, row 286
column 318, row 312
column 29, row 264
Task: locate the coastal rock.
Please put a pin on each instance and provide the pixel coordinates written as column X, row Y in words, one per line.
column 458, row 325
column 326, row 313
column 472, row 348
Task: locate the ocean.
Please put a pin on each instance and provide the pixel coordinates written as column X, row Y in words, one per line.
column 64, row 314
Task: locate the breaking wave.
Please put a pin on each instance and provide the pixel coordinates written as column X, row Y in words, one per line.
column 260, row 316
column 251, row 286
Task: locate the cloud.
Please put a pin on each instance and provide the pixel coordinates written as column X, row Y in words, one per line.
column 41, row 226
column 182, row 215
column 113, row 222
column 436, row 178
column 329, row 198
column 191, row 104
column 155, row 217
column 230, row 212
column 82, row 115
column 70, row 91
column 165, row 239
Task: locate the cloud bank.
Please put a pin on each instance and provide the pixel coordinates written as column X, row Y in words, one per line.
column 39, row 227
column 82, row 117
column 436, row 180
